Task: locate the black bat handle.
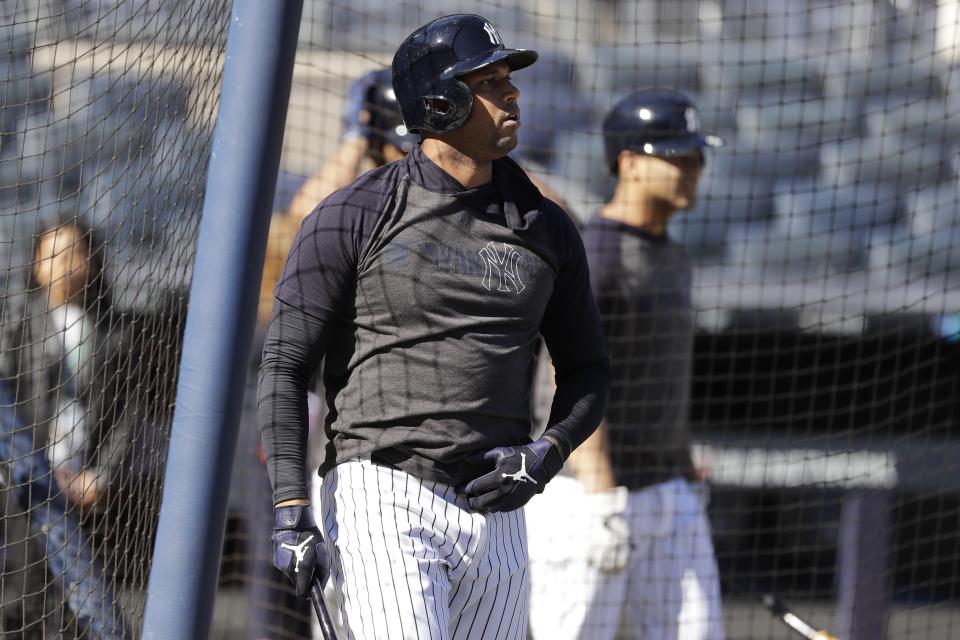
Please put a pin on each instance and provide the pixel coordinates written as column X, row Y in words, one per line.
column 320, row 607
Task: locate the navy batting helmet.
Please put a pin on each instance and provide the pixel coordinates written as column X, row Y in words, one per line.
column 385, row 124
column 655, row 122
column 429, row 63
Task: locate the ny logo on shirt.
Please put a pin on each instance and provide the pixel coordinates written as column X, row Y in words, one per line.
column 504, row 264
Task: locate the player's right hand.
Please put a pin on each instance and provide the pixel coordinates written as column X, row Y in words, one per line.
column 298, row 548
column 609, row 545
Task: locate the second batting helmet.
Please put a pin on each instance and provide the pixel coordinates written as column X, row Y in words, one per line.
column 655, row 122
column 429, row 63
column 385, row 124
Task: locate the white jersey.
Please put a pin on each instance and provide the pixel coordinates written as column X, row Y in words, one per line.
column 669, row 590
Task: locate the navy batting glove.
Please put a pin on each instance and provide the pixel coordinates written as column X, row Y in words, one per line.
column 519, row 473
column 298, row 548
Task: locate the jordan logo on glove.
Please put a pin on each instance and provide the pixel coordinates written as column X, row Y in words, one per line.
column 522, row 475
column 300, row 550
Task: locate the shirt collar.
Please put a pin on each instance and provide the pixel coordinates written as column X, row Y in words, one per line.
column 519, row 206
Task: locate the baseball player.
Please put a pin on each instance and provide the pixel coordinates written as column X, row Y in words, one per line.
column 643, row 542
column 424, row 287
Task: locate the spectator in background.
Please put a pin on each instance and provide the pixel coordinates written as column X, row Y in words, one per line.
column 62, row 367
column 79, row 388
column 85, row 378
column 640, row 540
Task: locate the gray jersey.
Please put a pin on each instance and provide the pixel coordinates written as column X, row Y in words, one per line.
column 642, row 287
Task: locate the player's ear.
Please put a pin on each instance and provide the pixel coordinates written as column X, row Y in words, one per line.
column 626, row 163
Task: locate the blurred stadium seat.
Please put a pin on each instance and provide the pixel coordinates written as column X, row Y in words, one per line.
column 172, row 21
column 743, row 161
column 928, row 120
column 882, row 77
column 616, row 66
column 785, row 126
column 933, row 209
column 901, row 161
column 756, row 20
column 731, row 70
column 578, row 160
column 766, row 251
column 928, row 260
column 551, row 103
column 808, row 207
column 650, row 20
column 372, row 25
column 115, row 111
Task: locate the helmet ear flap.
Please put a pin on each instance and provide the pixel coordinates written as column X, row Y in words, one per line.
column 447, row 109
column 463, row 100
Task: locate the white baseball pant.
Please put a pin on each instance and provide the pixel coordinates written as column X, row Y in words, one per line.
column 669, row 589
column 411, row 561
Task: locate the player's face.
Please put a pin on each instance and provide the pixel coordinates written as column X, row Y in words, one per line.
column 491, row 130
column 61, row 262
column 669, row 179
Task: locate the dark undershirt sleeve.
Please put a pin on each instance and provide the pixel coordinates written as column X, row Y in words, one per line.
column 293, row 347
column 313, row 297
column 572, row 333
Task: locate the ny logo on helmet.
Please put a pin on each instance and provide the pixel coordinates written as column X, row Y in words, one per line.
column 693, row 119
column 504, row 264
column 492, row 34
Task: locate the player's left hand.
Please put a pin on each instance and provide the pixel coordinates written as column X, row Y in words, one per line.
column 519, row 473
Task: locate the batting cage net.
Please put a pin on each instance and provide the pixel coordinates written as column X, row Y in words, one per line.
column 816, row 271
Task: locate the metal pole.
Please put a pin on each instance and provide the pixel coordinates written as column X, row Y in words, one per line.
column 863, row 582
column 245, row 157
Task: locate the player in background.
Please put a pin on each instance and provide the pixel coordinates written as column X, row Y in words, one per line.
column 373, row 135
column 643, row 544
column 424, row 287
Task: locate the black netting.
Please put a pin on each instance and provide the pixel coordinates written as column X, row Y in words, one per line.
column 824, row 252
column 824, row 248
column 107, row 114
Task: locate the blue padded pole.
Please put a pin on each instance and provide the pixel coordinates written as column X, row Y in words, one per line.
column 245, row 158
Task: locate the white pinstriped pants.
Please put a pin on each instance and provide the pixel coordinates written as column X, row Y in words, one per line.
column 411, row 561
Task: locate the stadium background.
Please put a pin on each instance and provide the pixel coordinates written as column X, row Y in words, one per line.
column 826, row 241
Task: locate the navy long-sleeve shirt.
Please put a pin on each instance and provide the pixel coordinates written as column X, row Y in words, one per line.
column 642, row 285
column 425, row 301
